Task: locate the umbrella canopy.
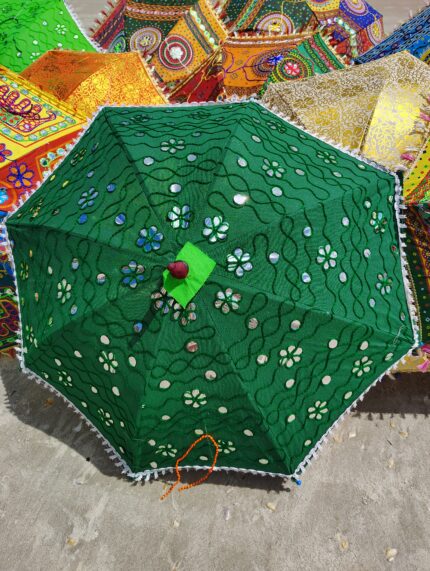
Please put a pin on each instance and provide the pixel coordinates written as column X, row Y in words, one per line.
column 36, row 131
column 413, row 36
column 239, row 68
column 108, row 29
column 29, row 29
column 87, row 81
column 293, row 303
column 312, row 57
column 370, row 108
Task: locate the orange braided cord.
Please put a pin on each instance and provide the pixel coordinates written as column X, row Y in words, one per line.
column 179, row 460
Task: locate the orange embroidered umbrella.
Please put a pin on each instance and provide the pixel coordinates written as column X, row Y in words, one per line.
column 89, row 80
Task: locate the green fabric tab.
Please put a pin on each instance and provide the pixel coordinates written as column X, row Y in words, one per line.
column 201, row 266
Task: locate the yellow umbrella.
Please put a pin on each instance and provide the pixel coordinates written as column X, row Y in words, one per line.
column 371, row 108
column 88, row 80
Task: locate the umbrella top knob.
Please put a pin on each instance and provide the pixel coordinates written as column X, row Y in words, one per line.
column 178, row 269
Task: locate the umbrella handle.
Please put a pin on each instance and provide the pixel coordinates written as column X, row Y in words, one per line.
column 179, row 460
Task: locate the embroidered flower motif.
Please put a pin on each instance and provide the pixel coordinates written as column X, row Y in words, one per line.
column 109, row 362
column 292, row 68
column 273, row 60
column 362, row 366
column 272, row 168
column 316, row 412
column 239, row 262
column 34, row 55
column 78, row 156
column 3, row 195
column 24, row 270
column 290, row 356
column 20, row 175
column 226, row 446
column 184, row 314
column 64, row 378
column 172, row 146
column 378, row 221
column 162, row 301
column 215, row 229
column 150, row 239
column 227, row 300
column 29, row 335
column 384, row 284
column 61, row 29
column 275, row 126
column 64, row 291
column 4, row 153
column 87, row 198
column 105, row 417
column 327, row 157
column 36, row 208
column 133, row 274
column 327, row 257
column 180, row 217
column 166, row 450
column 195, row 398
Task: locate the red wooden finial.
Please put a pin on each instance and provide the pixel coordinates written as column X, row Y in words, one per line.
column 178, row 269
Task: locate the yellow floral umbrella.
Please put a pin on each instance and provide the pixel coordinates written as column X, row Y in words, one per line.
column 89, row 80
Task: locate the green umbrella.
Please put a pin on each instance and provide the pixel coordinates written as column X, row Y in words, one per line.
column 293, row 306
column 29, row 28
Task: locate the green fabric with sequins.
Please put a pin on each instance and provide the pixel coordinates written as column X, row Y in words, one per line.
column 29, row 28
column 304, row 310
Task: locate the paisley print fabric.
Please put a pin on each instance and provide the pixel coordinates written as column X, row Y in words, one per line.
column 302, row 309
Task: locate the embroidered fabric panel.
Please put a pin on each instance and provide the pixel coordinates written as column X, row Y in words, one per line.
column 29, row 29
column 87, row 81
column 408, row 37
column 311, row 57
column 147, row 24
column 109, row 33
column 301, row 314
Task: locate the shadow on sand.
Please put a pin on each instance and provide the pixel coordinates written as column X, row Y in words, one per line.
column 35, row 406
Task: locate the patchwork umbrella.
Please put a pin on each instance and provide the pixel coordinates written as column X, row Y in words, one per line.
column 412, row 36
column 29, row 29
column 88, row 80
column 210, row 270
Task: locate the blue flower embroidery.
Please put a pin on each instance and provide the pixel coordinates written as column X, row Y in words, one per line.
column 150, row 239
column 88, row 197
column 133, row 274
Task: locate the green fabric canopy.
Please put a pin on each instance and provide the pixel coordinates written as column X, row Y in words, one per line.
column 299, row 302
column 29, row 28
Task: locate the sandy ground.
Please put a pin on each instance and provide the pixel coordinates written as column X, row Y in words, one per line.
column 63, row 505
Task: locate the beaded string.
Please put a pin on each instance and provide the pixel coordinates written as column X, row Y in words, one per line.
column 179, row 460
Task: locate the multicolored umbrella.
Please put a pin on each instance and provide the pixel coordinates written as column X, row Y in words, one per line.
column 108, row 29
column 29, row 29
column 87, row 81
column 210, row 270
column 36, row 131
column 312, row 57
column 413, row 36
